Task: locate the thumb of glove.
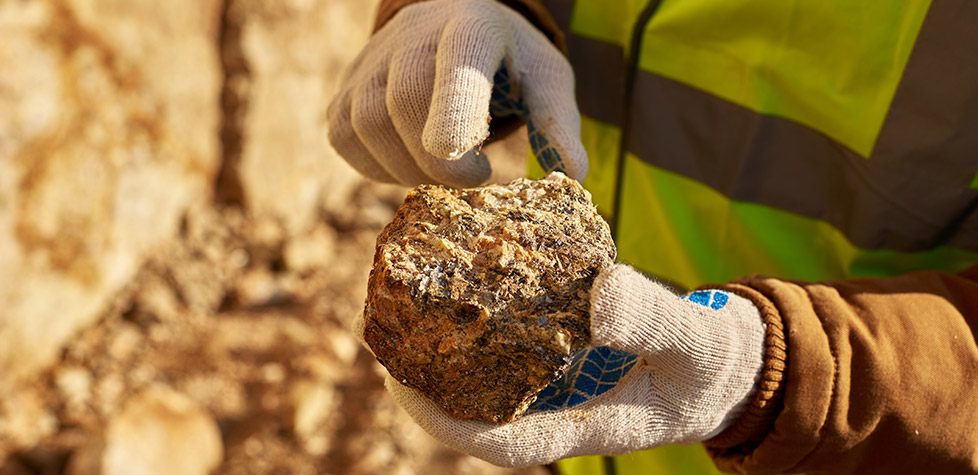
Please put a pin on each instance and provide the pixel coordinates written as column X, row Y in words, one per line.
column 706, row 348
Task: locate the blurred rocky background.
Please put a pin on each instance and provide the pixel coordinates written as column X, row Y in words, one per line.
column 181, row 251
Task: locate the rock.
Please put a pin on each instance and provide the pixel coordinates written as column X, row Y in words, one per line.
column 25, row 420
column 108, row 130
column 109, row 391
column 126, row 343
column 479, row 297
column 220, row 393
column 260, row 287
column 314, row 403
column 74, row 384
column 160, row 431
column 344, row 347
column 283, row 68
column 310, row 251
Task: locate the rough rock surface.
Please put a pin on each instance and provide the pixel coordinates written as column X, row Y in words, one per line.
column 478, row 297
column 283, row 62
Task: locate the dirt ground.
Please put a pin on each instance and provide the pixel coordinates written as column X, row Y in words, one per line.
column 252, row 324
column 256, row 328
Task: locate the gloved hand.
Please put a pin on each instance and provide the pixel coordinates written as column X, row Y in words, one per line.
column 414, row 106
column 662, row 369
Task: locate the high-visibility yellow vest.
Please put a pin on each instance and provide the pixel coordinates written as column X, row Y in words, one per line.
column 801, row 139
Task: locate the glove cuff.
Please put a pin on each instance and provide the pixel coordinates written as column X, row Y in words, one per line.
column 756, row 419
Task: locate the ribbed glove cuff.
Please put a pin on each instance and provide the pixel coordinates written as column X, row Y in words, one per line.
column 758, row 416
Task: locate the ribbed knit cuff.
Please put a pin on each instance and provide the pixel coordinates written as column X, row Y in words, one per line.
column 757, row 419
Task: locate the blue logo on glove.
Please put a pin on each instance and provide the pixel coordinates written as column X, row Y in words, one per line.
column 715, row 299
column 592, row 373
column 505, row 103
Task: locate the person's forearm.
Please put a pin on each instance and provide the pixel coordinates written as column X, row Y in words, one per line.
column 880, row 377
column 533, row 10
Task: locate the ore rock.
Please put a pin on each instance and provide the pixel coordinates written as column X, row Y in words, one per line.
column 479, row 297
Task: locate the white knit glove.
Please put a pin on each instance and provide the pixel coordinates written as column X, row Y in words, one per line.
column 414, row 106
column 690, row 365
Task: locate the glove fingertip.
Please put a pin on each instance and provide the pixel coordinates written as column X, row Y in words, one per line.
column 449, row 138
column 470, row 169
column 347, row 144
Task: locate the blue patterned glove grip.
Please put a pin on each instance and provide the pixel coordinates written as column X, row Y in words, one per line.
column 506, row 102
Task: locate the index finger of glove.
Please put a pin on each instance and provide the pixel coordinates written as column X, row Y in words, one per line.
column 469, row 52
column 373, row 125
column 409, row 97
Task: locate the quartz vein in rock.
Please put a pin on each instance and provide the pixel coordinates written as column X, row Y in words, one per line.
column 479, row 297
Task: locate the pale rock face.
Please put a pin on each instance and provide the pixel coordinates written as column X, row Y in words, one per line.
column 314, row 405
column 108, row 130
column 310, row 251
column 160, row 431
column 283, row 69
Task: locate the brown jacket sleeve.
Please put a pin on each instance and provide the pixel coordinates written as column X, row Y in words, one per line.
column 881, row 377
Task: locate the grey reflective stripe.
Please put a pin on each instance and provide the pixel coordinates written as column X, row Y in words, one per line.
column 877, row 204
column 561, row 11
column 934, row 114
column 912, row 194
column 599, row 69
column 935, row 108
